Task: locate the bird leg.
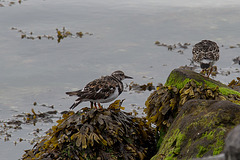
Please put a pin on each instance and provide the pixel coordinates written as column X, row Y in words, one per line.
column 95, row 105
column 100, row 107
column 209, row 71
column 212, row 71
column 91, row 104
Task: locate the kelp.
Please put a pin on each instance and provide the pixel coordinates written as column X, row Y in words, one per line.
column 165, row 103
column 96, row 134
column 234, row 83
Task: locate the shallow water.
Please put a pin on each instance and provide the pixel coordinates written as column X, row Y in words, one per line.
column 124, row 33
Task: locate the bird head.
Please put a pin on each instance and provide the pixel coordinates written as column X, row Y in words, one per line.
column 120, row 75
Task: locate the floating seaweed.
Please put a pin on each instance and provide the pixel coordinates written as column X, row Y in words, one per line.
column 9, row 3
column 61, row 34
column 96, row 134
column 15, row 124
column 172, row 47
column 138, row 87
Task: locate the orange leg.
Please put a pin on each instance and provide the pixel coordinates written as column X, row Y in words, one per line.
column 100, row 107
column 210, row 71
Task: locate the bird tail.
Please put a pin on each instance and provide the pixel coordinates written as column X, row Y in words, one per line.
column 73, row 93
column 75, row 104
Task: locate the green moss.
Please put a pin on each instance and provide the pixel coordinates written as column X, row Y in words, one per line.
column 201, row 151
column 226, row 91
column 223, row 90
column 178, row 80
column 160, row 139
column 218, row 148
column 180, row 139
column 209, row 136
column 170, row 156
column 174, row 144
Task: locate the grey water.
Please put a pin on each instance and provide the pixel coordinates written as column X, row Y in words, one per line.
column 123, row 36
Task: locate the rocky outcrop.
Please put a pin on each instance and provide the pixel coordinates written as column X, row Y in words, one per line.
column 193, row 114
column 199, row 129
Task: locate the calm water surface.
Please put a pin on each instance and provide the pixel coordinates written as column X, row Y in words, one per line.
column 123, row 38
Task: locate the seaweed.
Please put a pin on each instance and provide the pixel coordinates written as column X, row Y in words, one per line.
column 96, row 134
column 165, row 103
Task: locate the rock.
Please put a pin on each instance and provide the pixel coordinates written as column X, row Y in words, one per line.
column 179, row 77
column 218, row 157
column 231, row 149
column 193, row 115
column 182, row 85
column 199, row 129
column 232, row 144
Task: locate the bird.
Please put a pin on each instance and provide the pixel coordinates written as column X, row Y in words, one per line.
column 102, row 90
column 206, row 53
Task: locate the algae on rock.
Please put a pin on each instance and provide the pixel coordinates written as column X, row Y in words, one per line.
column 182, row 85
column 199, row 130
column 200, row 133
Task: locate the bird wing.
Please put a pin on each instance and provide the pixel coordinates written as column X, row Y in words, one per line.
column 98, row 89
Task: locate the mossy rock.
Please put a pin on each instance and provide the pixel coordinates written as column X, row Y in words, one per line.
column 199, row 130
column 163, row 105
column 166, row 103
column 180, row 77
column 96, row 134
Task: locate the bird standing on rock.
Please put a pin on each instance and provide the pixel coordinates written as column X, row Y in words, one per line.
column 102, row 90
column 206, row 53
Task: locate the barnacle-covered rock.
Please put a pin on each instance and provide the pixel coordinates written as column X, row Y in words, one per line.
column 96, row 134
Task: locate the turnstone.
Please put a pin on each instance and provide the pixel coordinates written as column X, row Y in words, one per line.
column 206, row 53
column 102, row 90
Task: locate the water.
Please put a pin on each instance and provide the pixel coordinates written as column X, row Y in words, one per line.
column 124, row 33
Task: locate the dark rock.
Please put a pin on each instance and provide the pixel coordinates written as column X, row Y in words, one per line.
column 199, row 129
column 232, row 144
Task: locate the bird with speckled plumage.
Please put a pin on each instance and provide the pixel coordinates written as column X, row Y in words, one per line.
column 102, row 90
column 206, row 53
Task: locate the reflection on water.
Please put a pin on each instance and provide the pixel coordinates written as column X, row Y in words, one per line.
column 123, row 38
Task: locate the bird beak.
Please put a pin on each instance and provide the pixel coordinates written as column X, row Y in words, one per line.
column 128, row 77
